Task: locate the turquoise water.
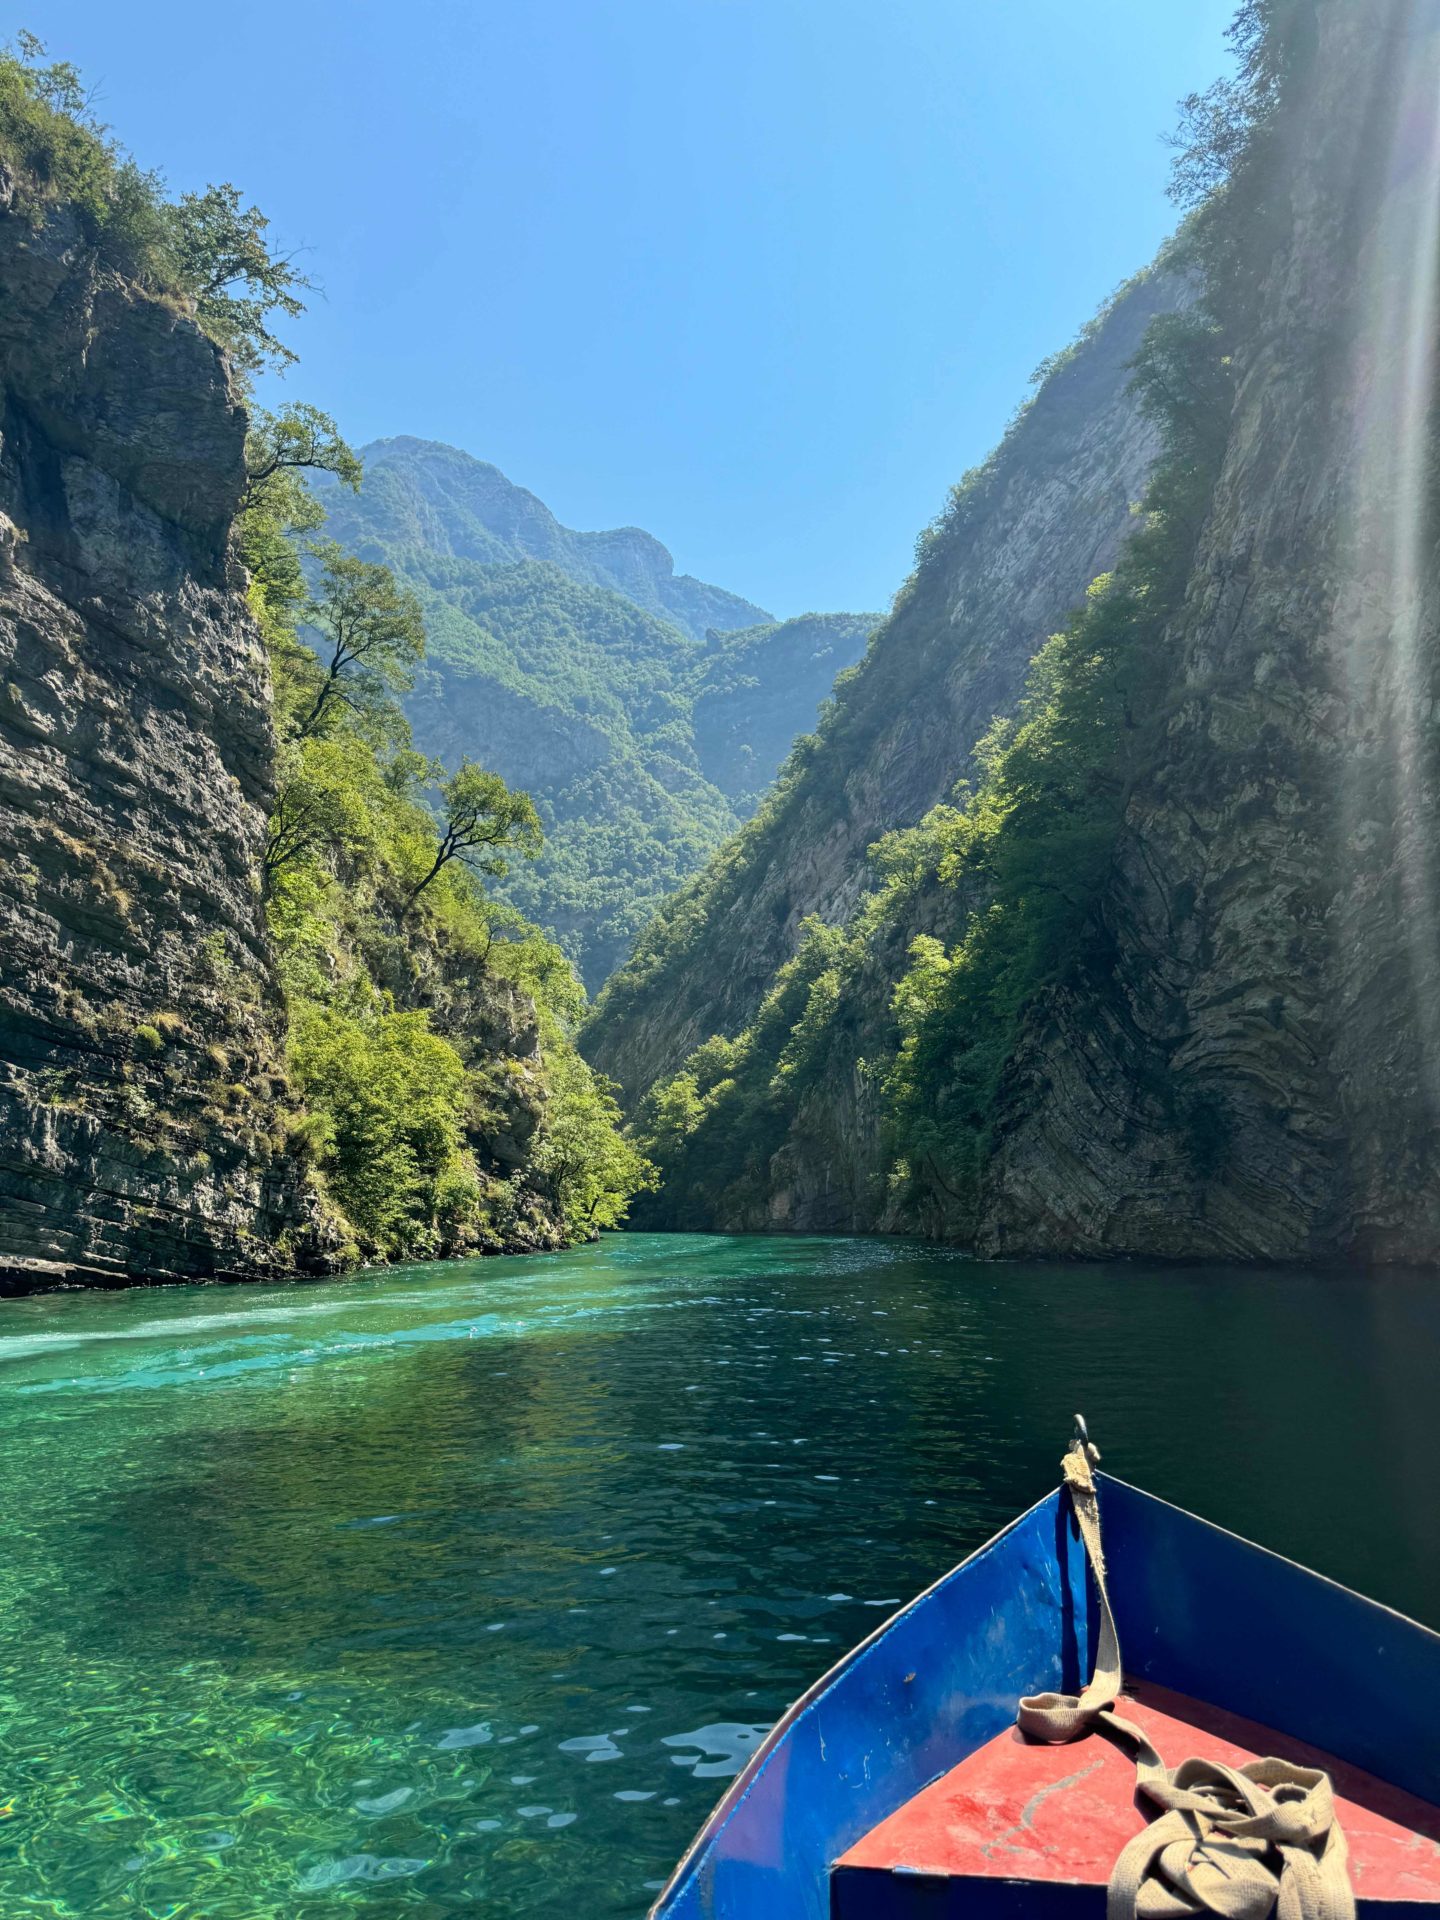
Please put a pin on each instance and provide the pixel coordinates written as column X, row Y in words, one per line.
column 463, row 1589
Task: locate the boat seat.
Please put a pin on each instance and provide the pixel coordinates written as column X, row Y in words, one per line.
column 1019, row 1829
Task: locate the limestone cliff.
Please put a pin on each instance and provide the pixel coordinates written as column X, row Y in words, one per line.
column 1027, row 533
column 1169, row 983
column 1245, row 1063
column 139, row 1032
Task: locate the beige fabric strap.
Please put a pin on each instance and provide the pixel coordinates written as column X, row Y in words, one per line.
column 1237, row 1842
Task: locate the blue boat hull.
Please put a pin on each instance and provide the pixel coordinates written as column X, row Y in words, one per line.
column 1199, row 1611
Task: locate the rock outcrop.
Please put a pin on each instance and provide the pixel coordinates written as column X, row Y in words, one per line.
column 141, row 1091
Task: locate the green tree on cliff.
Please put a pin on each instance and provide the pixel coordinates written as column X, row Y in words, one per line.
column 372, row 638
column 277, row 508
column 207, row 247
column 221, row 258
column 484, row 821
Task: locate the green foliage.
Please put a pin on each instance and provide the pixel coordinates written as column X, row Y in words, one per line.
column 396, row 967
column 810, row 789
column 641, row 745
column 280, row 447
column 220, row 257
column 1229, row 164
column 277, row 507
column 713, row 1128
column 589, row 1164
column 370, row 635
column 206, row 248
column 588, row 694
column 391, row 1099
column 1014, row 865
column 61, row 154
column 753, row 686
column 483, row 821
column 1032, row 847
column 1216, row 137
column 325, row 805
column 673, row 940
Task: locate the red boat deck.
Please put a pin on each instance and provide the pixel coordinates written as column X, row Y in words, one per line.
column 1021, row 1828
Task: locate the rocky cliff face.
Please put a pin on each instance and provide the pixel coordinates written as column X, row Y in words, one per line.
column 1246, row 1063
column 139, row 1036
column 1028, row 533
column 1228, row 1042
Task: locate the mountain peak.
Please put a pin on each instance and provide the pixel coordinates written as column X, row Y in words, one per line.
column 445, row 499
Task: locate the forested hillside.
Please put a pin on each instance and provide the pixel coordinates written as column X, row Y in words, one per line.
column 430, row 498
column 587, row 673
column 259, row 1013
column 1156, row 976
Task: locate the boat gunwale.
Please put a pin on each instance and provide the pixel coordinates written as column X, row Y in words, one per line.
column 741, row 1785
column 1243, row 1540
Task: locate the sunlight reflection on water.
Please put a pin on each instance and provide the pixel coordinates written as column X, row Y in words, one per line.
column 466, row 1588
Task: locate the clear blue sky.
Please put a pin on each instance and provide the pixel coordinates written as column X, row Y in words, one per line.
column 763, row 276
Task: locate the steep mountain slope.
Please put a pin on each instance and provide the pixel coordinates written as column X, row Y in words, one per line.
column 1020, row 541
column 1247, row 1063
column 420, row 494
column 582, row 669
column 754, row 690
column 141, row 1034
column 575, row 694
column 1166, row 980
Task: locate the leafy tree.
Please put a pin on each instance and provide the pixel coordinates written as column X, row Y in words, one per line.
column 321, row 806
column 1232, row 142
column 670, row 1112
column 297, row 439
column 392, row 1097
column 208, row 247
column 56, row 87
column 373, row 637
column 591, row 1166
column 222, row 259
column 1217, row 127
column 277, row 505
column 484, row 820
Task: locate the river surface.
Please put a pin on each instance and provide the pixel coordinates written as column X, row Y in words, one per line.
column 464, row 1588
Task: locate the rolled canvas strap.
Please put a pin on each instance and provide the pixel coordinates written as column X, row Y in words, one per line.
column 1236, row 1842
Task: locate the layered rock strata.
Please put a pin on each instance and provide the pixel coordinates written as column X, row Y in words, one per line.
column 141, row 1091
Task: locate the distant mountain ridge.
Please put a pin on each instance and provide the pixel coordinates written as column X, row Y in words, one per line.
column 646, row 711
column 459, row 505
